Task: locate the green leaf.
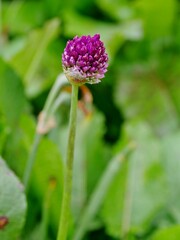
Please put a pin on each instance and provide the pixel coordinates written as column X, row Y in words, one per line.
column 18, row 144
column 4, row 132
column 48, row 165
column 35, row 233
column 158, row 16
column 12, row 204
column 136, row 196
column 97, row 153
column 143, row 95
column 28, row 61
column 171, row 156
column 40, row 231
column 97, row 196
column 12, row 98
column 170, row 233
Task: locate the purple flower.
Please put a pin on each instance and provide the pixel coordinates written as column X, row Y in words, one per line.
column 85, row 60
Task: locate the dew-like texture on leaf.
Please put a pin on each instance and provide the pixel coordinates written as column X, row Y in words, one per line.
column 12, row 204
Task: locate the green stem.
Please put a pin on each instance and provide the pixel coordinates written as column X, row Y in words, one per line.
column 66, row 201
column 63, row 97
column 128, row 200
column 97, row 197
column 31, row 160
column 100, row 191
column 46, row 208
column 59, row 83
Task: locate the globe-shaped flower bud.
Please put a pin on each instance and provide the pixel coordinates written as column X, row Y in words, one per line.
column 85, row 60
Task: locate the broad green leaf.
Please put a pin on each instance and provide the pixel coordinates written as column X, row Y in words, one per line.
column 28, row 61
column 158, row 16
column 18, row 144
column 12, row 204
column 171, row 156
column 170, row 233
column 139, row 190
column 48, row 165
column 34, row 234
column 40, row 231
column 142, row 95
column 12, row 98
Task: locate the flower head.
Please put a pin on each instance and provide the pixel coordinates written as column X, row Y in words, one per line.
column 85, row 60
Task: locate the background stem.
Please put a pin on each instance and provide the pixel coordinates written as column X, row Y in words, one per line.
column 46, row 208
column 128, row 200
column 66, row 201
column 31, row 160
column 47, row 111
column 100, row 192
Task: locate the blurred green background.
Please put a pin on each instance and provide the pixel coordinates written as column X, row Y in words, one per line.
column 138, row 101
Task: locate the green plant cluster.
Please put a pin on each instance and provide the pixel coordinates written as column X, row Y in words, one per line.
column 126, row 181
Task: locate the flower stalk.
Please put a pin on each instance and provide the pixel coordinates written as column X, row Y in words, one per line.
column 66, row 201
column 84, row 60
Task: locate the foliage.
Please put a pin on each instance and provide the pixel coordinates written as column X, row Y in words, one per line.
column 13, row 204
column 137, row 103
